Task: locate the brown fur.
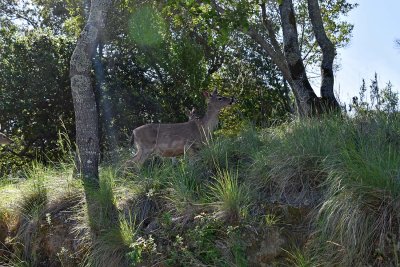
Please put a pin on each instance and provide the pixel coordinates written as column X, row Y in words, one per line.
column 191, row 114
column 4, row 140
column 174, row 139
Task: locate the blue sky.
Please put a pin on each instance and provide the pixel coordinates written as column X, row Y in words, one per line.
column 371, row 49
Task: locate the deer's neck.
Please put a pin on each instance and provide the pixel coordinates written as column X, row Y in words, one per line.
column 210, row 120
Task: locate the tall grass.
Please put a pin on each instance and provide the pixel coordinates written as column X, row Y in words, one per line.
column 35, row 202
column 231, row 198
column 30, row 209
column 228, row 152
column 186, row 185
column 348, row 170
column 358, row 217
column 344, row 172
column 292, row 163
column 355, row 225
column 35, row 197
column 108, row 249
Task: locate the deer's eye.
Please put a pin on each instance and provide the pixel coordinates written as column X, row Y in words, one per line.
column 219, row 98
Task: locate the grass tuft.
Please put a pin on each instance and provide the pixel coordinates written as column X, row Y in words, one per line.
column 230, row 197
column 298, row 258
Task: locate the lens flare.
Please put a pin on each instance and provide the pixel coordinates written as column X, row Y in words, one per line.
column 146, row 26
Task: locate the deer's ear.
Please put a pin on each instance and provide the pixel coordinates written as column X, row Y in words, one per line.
column 206, row 94
column 215, row 92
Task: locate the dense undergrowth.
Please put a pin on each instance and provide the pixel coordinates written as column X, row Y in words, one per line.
column 318, row 192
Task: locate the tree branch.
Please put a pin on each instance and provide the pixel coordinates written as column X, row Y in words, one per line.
column 309, row 51
column 274, row 51
column 303, row 25
column 277, row 57
column 328, row 52
column 271, row 33
column 14, row 13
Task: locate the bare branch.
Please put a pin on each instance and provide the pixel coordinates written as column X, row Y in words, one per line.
column 14, row 14
column 268, row 25
column 309, row 51
column 303, row 26
column 277, row 57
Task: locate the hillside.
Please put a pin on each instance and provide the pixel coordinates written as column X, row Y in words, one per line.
column 320, row 192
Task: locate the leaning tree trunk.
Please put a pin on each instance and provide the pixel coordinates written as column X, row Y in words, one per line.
column 301, row 85
column 86, row 117
column 328, row 55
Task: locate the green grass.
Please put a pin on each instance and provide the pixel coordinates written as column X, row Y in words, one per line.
column 186, row 185
column 230, row 197
column 342, row 172
column 297, row 258
column 358, row 212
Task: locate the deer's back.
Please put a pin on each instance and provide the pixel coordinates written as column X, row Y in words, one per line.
column 167, row 133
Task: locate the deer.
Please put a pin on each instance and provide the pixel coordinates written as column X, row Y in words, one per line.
column 4, row 140
column 191, row 114
column 175, row 139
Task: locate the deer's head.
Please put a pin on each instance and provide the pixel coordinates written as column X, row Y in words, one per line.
column 217, row 102
column 4, row 140
column 191, row 114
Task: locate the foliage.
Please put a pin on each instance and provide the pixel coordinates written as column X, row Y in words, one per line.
column 382, row 100
column 35, row 97
column 141, row 82
column 136, row 82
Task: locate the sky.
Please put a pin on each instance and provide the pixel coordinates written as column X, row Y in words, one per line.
column 371, row 49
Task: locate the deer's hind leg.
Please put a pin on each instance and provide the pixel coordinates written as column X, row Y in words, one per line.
column 141, row 155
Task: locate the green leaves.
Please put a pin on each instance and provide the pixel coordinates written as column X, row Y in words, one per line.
column 34, row 94
column 146, row 26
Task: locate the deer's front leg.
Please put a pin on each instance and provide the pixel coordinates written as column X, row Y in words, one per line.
column 140, row 157
column 190, row 149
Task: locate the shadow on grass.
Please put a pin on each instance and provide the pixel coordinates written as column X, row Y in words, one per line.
column 107, row 246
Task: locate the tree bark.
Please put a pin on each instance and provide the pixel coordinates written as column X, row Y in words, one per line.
column 328, row 54
column 86, row 117
column 301, row 85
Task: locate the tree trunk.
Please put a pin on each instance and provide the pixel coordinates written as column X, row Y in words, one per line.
column 301, row 86
column 328, row 55
column 86, row 117
column 290, row 61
